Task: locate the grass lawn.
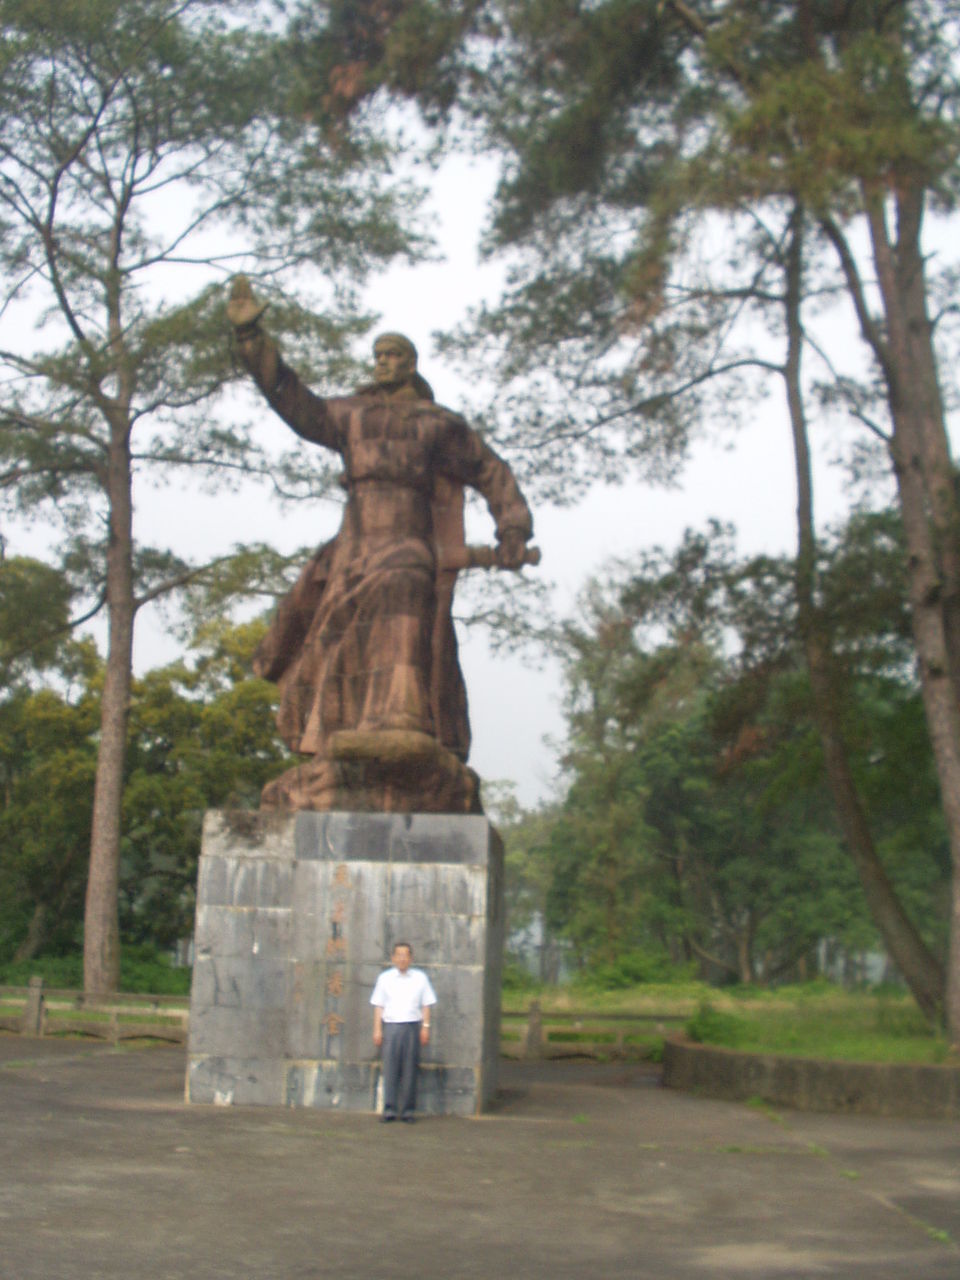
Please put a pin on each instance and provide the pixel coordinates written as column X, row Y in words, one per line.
column 666, row 998
column 823, row 1023
column 816, row 1020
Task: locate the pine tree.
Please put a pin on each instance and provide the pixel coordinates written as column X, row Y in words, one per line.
column 143, row 144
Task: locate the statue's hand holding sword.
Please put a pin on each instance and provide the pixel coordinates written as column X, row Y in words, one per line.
column 485, row 558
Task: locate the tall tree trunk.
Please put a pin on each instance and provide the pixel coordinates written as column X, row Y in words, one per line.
column 916, row 400
column 920, row 968
column 101, row 944
column 937, row 687
column 928, row 498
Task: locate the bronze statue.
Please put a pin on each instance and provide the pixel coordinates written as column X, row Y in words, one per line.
column 363, row 647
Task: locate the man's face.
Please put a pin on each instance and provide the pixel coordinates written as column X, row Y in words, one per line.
column 393, row 365
column 401, row 958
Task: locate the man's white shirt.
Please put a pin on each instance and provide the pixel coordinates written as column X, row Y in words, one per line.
column 403, row 996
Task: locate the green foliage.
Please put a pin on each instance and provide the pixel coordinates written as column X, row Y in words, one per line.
column 634, row 968
column 34, row 607
column 695, row 825
column 714, row 1026
column 142, row 969
column 60, row 972
column 815, row 1019
column 822, row 1022
column 202, row 735
column 518, row 981
column 47, row 763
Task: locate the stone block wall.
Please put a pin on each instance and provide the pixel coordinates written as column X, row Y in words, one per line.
column 297, row 913
column 811, row 1084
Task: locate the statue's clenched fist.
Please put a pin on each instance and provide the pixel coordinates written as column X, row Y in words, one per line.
column 511, row 551
column 243, row 309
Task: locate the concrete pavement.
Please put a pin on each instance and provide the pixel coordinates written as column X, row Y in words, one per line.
column 583, row 1171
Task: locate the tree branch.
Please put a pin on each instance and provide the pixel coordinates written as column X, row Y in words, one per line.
column 56, row 632
column 868, row 326
column 179, row 580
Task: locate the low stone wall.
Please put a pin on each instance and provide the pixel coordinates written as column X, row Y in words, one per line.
column 808, row 1084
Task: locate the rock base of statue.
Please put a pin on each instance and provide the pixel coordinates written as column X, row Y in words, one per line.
column 387, row 771
column 297, row 913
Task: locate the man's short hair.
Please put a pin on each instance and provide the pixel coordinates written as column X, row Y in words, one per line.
column 403, row 944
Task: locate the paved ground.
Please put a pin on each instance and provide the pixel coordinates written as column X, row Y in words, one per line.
column 584, row 1171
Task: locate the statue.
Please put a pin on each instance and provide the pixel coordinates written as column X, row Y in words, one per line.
column 363, row 647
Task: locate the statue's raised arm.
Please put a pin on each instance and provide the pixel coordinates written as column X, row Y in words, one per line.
column 308, row 414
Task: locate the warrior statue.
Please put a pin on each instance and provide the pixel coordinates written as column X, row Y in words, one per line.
column 363, row 648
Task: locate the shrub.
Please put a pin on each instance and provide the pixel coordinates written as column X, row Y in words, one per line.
column 634, row 968
column 56, row 971
column 518, row 979
column 142, row 969
column 711, row 1026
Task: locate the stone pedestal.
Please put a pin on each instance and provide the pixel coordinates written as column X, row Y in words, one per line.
column 297, row 913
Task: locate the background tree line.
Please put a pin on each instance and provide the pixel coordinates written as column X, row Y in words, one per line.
column 695, row 828
column 201, row 735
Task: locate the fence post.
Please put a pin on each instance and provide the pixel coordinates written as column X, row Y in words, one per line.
column 533, row 1039
column 33, row 1013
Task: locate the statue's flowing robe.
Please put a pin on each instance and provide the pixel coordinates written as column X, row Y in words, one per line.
column 365, row 639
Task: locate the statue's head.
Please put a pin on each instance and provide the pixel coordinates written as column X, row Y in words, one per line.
column 394, row 360
column 395, row 365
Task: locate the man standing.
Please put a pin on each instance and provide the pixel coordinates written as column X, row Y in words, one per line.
column 402, row 1001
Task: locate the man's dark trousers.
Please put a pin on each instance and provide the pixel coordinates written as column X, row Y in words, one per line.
column 401, row 1057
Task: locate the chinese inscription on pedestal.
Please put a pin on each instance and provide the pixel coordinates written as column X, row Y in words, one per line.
column 336, row 953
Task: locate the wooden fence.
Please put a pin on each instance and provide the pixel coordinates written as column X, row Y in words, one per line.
column 533, row 1034
column 529, row 1034
column 40, row 1011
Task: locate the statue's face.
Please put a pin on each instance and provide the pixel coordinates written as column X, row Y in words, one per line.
column 393, row 365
